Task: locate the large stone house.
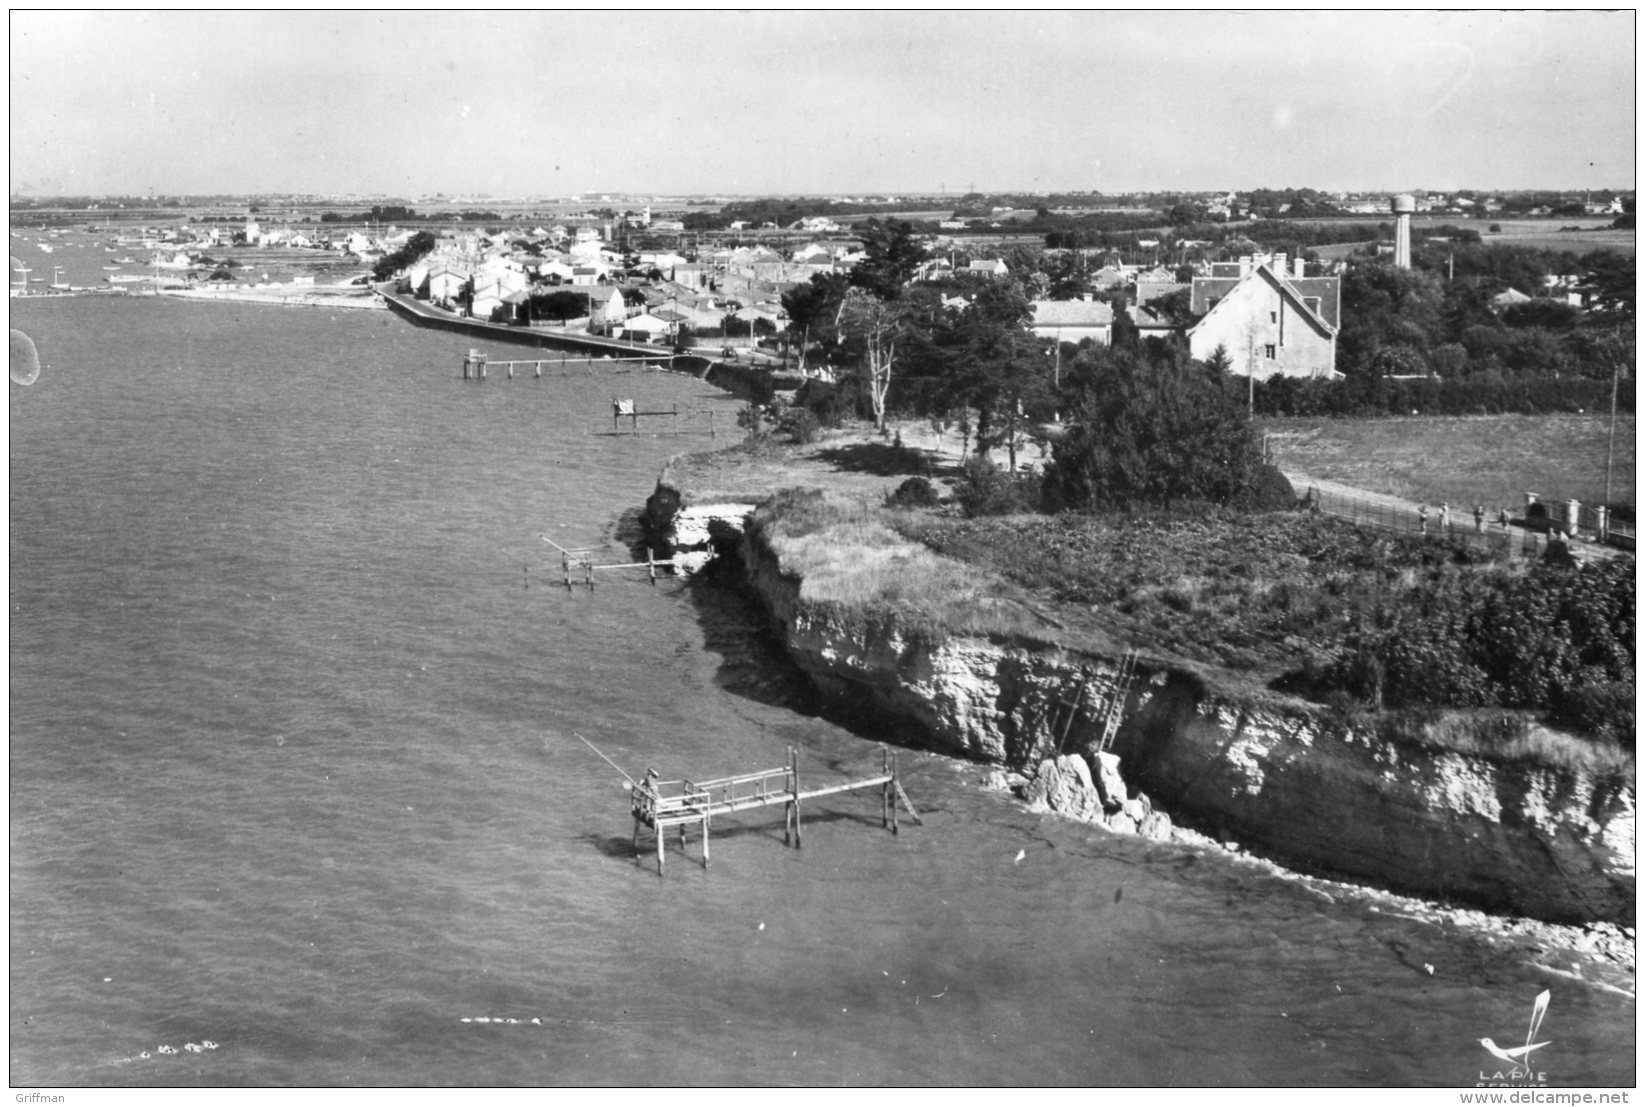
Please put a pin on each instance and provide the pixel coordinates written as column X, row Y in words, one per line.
column 1267, row 318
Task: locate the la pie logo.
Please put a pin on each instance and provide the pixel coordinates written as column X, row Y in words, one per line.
column 1519, row 1057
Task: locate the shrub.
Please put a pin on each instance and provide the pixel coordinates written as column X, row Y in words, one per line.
column 1269, row 490
column 1551, row 639
column 752, row 418
column 913, row 492
column 799, row 424
column 1605, row 710
column 1149, row 434
column 986, row 489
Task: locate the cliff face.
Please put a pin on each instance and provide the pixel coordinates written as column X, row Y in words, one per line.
column 1551, row 843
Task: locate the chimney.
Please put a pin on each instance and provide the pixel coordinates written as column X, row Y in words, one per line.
column 1296, row 268
column 1244, row 265
column 1280, row 267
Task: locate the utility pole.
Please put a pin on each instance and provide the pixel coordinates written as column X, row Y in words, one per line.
column 1610, row 441
column 1250, row 376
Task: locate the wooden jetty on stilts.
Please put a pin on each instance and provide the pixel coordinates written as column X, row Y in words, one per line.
column 583, row 561
column 622, row 409
column 475, row 364
column 662, row 805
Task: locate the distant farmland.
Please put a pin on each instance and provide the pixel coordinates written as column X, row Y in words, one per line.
column 1596, row 234
column 1542, row 234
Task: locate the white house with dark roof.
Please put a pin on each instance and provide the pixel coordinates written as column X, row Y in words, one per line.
column 647, row 327
column 1266, row 322
column 607, row 307
column 446, row 285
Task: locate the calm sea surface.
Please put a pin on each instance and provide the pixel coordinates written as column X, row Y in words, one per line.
column 292, row 770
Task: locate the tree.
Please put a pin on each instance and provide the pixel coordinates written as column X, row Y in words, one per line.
column 1542, row 312
column 1065, row 273
column 1125, row 335
column 1383, row 305
column 1149, row 434
column 813, row 307
column 891, row 254
column 1608, row 281
column 561, row 304
column 1001, row 368
column 875, row 326
column 417, row 246
column 1175, row 308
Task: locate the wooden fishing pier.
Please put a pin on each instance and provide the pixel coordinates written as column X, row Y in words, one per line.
column 622, row 409
column 663, row 805
column 476, row 364
column 582, row 562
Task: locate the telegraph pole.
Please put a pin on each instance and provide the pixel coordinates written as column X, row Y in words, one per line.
column 1250, row 377
column 1610, row 441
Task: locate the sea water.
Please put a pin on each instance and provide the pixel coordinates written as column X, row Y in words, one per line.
column 293, row 772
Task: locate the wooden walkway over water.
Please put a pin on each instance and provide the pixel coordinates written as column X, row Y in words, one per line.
column 663, row 805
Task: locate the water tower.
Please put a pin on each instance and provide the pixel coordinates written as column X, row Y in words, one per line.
column 1403, row 205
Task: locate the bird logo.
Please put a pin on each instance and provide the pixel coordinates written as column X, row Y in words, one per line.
column 1520, row 1056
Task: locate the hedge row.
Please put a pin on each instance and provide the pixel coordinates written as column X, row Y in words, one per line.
column 1473, row 396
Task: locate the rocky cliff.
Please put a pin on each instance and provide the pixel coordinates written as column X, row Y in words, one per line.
column 1554, row 843
column 1279, row 775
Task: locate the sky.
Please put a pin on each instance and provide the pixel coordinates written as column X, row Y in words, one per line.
column 516, row 104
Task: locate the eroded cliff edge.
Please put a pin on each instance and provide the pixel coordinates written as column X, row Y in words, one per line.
column 1279, row 775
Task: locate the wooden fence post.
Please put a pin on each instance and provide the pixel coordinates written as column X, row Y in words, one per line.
column 894, row 829
column 885, row 789
column 794, row 783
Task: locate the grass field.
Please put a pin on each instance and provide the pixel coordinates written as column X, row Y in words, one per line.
column 1543, row 234
column 1489, row 459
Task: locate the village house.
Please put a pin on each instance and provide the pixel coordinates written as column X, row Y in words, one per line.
column 446, row 286
column 646, row 327
column 556, row 271
column 1150, row 287
column 495, row 303
column 1148, row 324
column 934, row 269
column 1267, row 318
column 608, row 308
column 988, row 268
column 1074, row 320
column 1110, row 276
column 754, row 314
